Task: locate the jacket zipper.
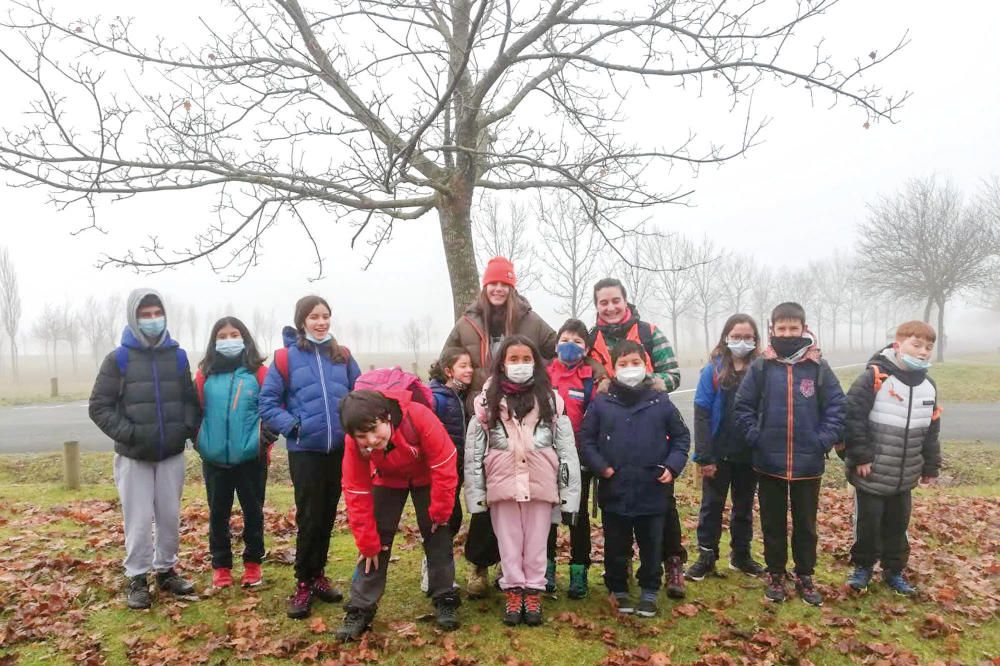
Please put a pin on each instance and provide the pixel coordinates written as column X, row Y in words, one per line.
column 326, row 401
column 906, row 440
column 790, row 448
column 159, row 408
column 232, row 380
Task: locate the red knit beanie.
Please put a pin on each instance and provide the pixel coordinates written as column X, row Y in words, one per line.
column 499, row 269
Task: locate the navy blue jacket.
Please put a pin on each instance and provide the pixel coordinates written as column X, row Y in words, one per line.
column 311, row 399
column 450, row 411
column 790, row 420
column 638, row 442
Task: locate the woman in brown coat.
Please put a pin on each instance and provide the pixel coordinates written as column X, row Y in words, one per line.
column 498, row 312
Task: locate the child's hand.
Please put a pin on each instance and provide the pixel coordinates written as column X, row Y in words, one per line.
column 667, row 476
column 608, row 473
column 371, row 563
column 863, row 470
column 435, row 526
column 708, row 471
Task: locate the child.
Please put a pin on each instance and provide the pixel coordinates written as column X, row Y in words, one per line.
column 634, row 439
column 521, row 464
column 574, row 377
column 791, row 408
column 396, row 447
column 234, row 447
column 891, row 444
column 300, row 397
column 722, row 453
column 144, row 400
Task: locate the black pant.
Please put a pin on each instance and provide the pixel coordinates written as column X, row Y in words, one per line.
column 774, row 495
column 455, row 522
column 579, row 534
column 481, row 548
column 316, row 481
column 741, row 481
column 367, row 588
column 618, row 532
column 248, row 482
column 880, row 523
column 672, row 544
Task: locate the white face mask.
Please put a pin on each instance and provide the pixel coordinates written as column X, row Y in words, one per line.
column 740, row 348
column 631, row 376
column 519, row 373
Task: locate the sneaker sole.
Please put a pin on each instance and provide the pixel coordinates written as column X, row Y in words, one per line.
column 332, row 599
column 775, row 601
column 255, row 584
column 298, row 615
column 626, row 611
column 645, row 613
column 352, row 637
column 676, row 595
column 694, row 578
column 745, row 572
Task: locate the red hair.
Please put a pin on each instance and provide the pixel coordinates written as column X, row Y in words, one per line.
column 916, row 329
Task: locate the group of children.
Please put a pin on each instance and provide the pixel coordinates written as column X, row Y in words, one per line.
column 522, row 439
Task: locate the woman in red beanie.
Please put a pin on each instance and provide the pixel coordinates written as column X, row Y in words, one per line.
column 499, row 312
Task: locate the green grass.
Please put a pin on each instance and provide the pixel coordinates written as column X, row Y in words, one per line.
column 41, row 399
column 53, row 536
column 956, row 382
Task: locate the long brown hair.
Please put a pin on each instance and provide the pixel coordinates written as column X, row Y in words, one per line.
column 303, row 307
column 449, row 357
column 511, row 315
column 520, row 404
column 252, row 359
column 727, row 373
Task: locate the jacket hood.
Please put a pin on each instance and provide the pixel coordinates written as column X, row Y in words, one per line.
column 131, row 306
column 130, row 340
column 290, row 336
column 885, row 359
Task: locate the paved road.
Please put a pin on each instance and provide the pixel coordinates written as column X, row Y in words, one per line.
column 36, row 428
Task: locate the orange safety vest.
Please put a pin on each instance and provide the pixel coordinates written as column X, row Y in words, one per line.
column 600, row 353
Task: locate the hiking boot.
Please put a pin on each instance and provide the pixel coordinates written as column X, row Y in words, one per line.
column 222, row 578
column 137, row 595
column 513, row 609
column 807, row 591
column 476, row 584
column 859, row 580
column 745, row 563
column 300, row 603
column 703, row 566
column 532, row 607
column 894, row 581
column 425, row 582
column 675, row 577
column 446, row 611
column 577, row 581
column 775, row 590
column 323, row 591
column 252, row 575
column 624, row 603
column 550, row 576
column 356, row 622
column 169, row 581
column 646, row 608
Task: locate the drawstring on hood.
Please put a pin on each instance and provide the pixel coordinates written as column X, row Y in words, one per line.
column 131, row 313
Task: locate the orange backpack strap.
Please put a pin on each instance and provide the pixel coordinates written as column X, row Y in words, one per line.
column 877, row 378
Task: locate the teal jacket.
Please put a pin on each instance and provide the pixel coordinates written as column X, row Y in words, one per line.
column 230, row 432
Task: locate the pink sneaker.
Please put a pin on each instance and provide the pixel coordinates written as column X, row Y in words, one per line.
column 252, row 576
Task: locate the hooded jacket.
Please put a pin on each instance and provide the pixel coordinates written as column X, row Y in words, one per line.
column 893, row 424
column 230, row 432
column 427, row 460
column 450, row 410
column 305, row 410
column 151, row 410
column 576, row 386
column 710, row 402
column 660, row 359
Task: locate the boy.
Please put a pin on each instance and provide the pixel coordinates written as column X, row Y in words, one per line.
column 395, row 447
column 791, row 407
column 145, row 401
column 574, row 377
column 635, row 440
column 891, row 444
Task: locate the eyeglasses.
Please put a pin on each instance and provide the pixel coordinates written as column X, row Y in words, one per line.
column 744, row 338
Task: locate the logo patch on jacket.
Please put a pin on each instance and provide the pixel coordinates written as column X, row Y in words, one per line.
column 576, row 394
column 807, row 387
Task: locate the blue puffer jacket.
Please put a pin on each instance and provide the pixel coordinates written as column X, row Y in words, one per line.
column 230, row 432
column 792, row 414
column 310, row 400
column 711, row 445
column 450, row 411
column 638, row 441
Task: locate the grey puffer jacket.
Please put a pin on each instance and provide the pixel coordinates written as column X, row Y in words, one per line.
column 893, row 424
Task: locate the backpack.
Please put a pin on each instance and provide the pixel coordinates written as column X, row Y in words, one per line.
column 281, row 361
column 397, row 379
column 121, row 359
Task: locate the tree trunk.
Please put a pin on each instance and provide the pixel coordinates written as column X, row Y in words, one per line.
column 13, row 358
column 927, row 309
column 940, row 330
column 708, row 342
column 454, row 213
column 673, row 331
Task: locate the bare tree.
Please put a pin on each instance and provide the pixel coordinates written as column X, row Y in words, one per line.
column 671, row 283
column 284, row 113
column 629, row 267
column 835, row 277
column 48, row 330
column 191, row 319
column 938, row 248
column 571, row 248
column 114, row 306
column 499, row 235
column 70, row 332
column 10, row 305
column 411, row 337
column 92, row 326
column 738, row 274
column 706, row 283
column 763, row 294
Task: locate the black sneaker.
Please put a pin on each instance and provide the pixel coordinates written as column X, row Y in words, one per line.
column 625, row 604
column 807, row 590
column 356, row 622
column 169, row 581
column 703, row 566
column 775, row 590
column 745, row 563
column 646, row 608
column 137, row 595
column 323, row 591
column 446, row 611
column 675, row 577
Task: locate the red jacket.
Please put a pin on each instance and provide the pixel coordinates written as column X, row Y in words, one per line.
column 420, row 454
column 571, row 383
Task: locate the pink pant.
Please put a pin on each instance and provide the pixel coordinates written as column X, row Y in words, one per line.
column 522, row 529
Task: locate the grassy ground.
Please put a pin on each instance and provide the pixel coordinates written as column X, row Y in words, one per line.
column 956, row 382
column 60, row 572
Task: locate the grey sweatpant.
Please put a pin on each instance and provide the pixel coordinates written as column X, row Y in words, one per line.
column 150, row 493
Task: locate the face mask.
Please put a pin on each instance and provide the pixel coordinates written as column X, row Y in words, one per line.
column 741, row 348
column 914, row 363
column 230, row 348
column 787, row 347
column 519, row 373
column 153, row 328
column 569, row 352
column 329, row 336
column 631, row 376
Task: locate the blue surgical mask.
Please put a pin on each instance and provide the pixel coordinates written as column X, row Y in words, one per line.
column 914, row 363
column 569, row 352
column 230, row 347
column 329, row 336
column 153, row 328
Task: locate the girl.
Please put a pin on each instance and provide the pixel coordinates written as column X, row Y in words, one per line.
column 521, row 464
column 300, row 399
column 722, row 452
column 234, row 448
